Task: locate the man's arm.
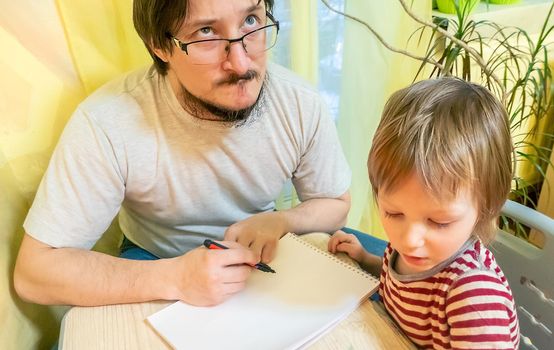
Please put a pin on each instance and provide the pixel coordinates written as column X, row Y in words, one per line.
column 48, row 275
column 318, row 215
column 261, row 232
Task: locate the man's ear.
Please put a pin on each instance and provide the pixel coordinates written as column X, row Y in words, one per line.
column 162, row 55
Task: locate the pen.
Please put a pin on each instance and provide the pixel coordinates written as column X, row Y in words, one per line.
column 208, row 243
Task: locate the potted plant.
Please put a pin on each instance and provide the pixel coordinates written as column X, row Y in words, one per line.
column 455, row 6
column 503, row 2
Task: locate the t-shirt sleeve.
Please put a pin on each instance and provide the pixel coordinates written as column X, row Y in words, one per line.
column 480, row 313
column 323, row 171
column 82, row 189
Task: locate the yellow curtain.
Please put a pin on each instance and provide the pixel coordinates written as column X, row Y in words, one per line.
column 38, row 92
column 102, row 39
column 55, row 53
column 102, row 47
column 370, row 74
column 304, row 46
column 304, row 60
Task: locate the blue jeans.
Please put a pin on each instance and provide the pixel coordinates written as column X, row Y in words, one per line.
column 376, row 246
column 130, row 250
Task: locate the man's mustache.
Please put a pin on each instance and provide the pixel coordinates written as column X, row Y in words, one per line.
column 235, row 78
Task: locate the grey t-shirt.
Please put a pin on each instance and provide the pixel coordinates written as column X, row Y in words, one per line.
column 174, row 179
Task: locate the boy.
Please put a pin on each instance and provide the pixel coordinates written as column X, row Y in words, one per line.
column 440, row 169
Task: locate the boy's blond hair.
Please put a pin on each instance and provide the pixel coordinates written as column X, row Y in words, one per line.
column 454, row 135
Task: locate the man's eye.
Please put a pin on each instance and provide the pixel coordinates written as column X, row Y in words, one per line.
column 392, row 215
column 205, row 31
column 251, row 21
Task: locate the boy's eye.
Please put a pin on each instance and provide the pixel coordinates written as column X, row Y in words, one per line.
column 392, row 215
column 439, row 224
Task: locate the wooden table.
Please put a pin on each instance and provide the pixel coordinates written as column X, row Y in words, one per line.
column 124, row 327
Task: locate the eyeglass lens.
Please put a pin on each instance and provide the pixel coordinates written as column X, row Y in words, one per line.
column 209, row 52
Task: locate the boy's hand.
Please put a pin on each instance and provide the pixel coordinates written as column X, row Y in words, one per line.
column 341, row 241
column 347, row 243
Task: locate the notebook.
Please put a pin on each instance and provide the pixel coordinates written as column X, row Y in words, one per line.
column 311, row 292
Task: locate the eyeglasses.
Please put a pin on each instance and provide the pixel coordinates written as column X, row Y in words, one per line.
column 211, row 51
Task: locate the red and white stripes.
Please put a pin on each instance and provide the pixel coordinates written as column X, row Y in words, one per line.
column 466, row 305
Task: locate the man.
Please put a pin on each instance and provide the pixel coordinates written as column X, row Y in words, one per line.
column 199, row 146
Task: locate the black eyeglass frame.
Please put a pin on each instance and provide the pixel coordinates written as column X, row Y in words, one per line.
column 183, row 46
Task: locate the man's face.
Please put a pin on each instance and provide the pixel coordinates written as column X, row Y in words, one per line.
column 234, row 83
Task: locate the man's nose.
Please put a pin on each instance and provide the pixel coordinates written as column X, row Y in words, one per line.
column 237, row 58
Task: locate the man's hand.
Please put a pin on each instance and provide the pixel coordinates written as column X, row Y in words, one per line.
column 209, row 277
column 260, row 233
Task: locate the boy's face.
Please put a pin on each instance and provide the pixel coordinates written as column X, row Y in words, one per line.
column 424, row 230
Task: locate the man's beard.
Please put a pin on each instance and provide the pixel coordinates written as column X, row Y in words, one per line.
column 203, row 109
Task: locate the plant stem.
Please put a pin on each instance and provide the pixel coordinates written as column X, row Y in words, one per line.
column 382, row 41
column 478, row 58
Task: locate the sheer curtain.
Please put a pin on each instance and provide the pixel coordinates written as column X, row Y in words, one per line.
column 370, row 73
column 354, row 73
column 55, row 52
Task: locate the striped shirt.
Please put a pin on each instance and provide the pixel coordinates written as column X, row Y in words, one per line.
column 463, row 303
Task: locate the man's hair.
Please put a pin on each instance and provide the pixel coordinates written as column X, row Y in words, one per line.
column 155, row 20
column 453, row 135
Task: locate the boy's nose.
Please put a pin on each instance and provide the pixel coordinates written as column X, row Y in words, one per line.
column 414, row 237
column 237, row 59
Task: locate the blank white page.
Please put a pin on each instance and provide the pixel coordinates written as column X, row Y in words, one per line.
column 310, row 293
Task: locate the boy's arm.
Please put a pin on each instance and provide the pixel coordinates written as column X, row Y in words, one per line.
column 372, row 263
column 480, row 313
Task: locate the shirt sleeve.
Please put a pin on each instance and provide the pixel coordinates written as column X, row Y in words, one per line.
column 323, row 171
column 481, row 314
column 82, row 189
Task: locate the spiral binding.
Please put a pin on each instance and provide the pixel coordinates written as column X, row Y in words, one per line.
column 333, row 258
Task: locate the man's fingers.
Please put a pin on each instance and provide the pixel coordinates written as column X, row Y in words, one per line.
column 231, row 233
column 231, row 244
column 236, row 274
column 268, row 251
column 232, row 288
column 245, row 241
column 235, row 255
column 256, row 247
